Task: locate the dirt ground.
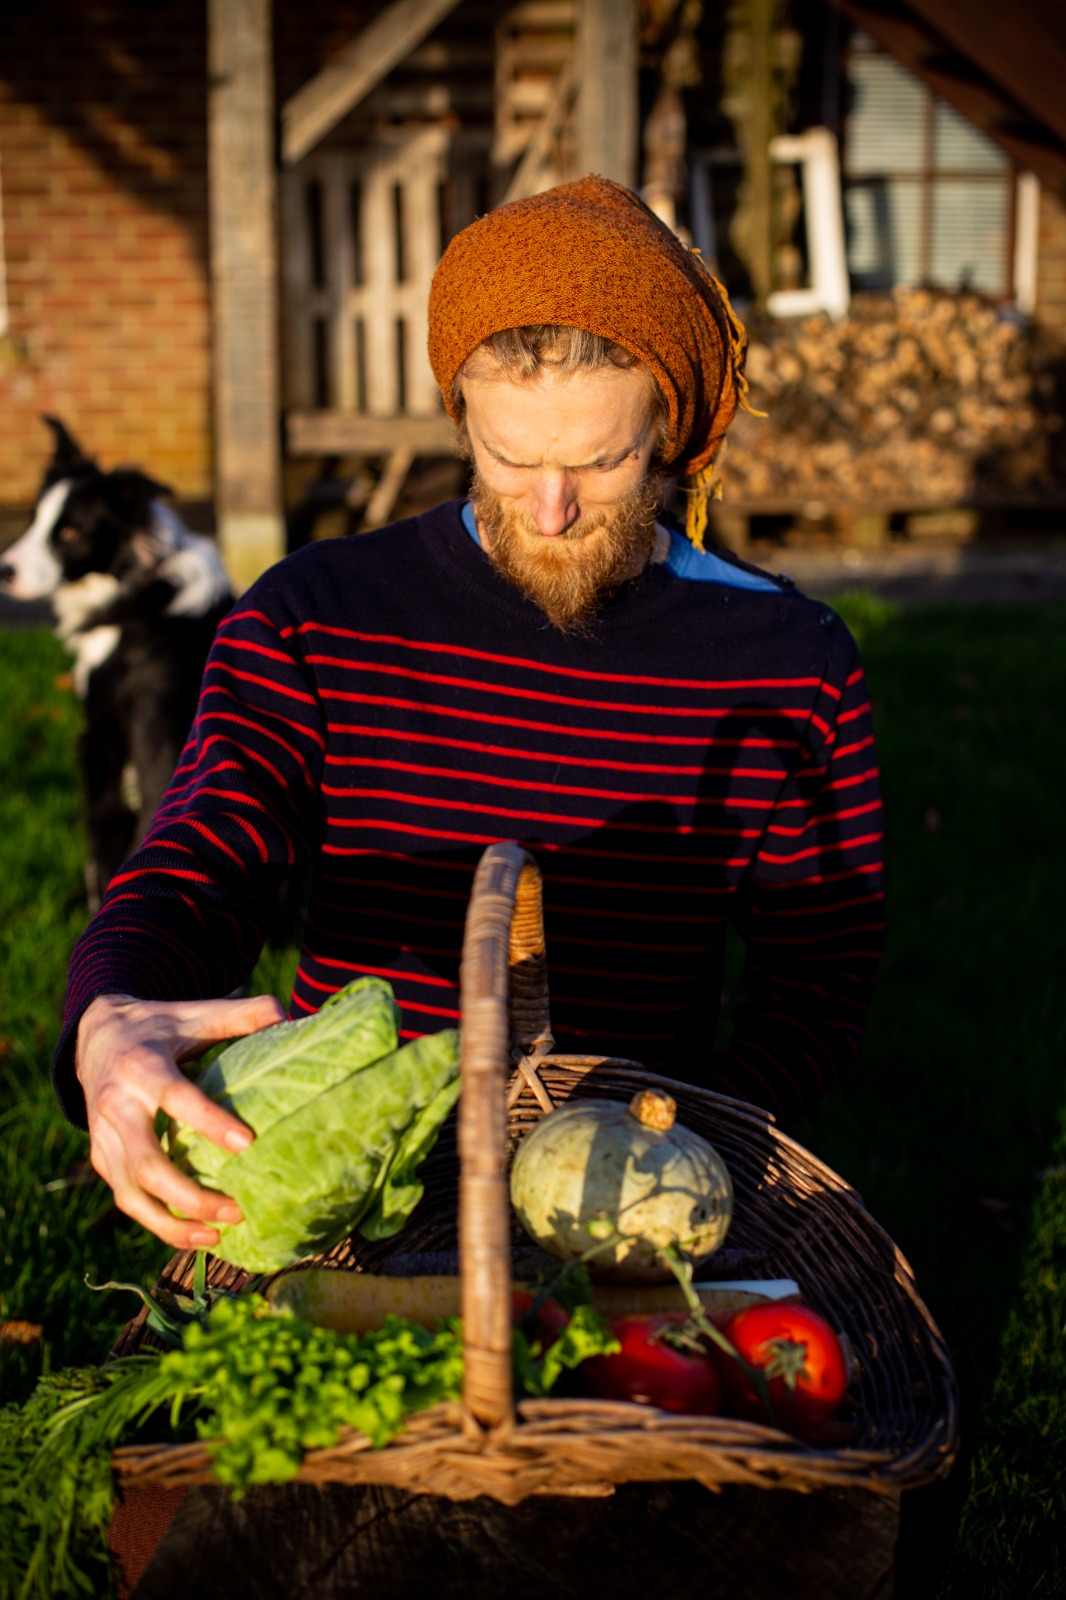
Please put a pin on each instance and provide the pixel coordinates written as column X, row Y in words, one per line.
column 933, row 575
column 910, row 574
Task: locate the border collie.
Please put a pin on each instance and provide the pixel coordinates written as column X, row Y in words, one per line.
column 137, row 598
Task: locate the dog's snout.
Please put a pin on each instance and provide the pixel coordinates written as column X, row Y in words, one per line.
column 7, row 573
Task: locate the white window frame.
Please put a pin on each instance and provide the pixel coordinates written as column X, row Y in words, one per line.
column 815, row 152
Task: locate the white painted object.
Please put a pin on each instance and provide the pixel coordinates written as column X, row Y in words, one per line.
column 772, row 1288
column 830, row 290
column 1026, row 235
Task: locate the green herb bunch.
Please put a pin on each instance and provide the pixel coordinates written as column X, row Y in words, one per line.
column 263, row 1389
column 269, row 1388
column 260, row 1388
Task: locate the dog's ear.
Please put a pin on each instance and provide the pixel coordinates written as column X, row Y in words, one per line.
column 129, row 493
column 68, row 457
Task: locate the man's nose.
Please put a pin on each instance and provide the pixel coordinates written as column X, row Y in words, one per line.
column 555, row 503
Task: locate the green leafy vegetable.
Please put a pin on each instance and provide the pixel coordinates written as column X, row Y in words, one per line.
column 539, row 1365
column 260, row 1387
column 56, row 1486
column 342, row 1119
column 544, row 1346
column 270, row 1388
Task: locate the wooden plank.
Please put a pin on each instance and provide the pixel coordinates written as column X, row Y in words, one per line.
column 532, row 48
column 387, row 489
column 542, row 14
column 327, row 433
column 424, row 245
column 297, row 320
column 409, row 167
column 382, row 385
column 244, row 254
column 539, row 149
column 607, row 43
column 340, row 274
column 309, row 114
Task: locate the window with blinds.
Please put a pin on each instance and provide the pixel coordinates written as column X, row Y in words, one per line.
column 927, row 197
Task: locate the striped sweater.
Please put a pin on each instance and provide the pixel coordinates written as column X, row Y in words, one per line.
column 388, row 706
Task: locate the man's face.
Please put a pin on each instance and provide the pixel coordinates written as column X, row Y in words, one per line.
column 562, row 493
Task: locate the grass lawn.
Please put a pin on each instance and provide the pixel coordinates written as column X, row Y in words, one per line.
column 953, row 1129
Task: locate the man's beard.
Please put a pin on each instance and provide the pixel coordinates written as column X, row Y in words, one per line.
column 569, row 577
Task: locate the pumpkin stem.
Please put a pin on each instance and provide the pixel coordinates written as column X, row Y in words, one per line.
column 653, row 1109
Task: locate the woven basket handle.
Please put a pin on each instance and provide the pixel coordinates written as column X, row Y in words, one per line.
column 504, row 992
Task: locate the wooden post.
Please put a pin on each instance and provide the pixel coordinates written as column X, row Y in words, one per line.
column 759, row 174
column 607, row 94
column 244, row 295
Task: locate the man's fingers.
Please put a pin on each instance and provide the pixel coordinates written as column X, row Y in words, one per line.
column 127, row 1062
column 140, row 1152
column 157, row 1178
column 210, row 1021
column 135, row 1168
column 184, row 1102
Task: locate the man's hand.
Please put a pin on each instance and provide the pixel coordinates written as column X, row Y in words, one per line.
column 127, row 1063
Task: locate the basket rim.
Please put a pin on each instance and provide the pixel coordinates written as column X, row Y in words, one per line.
column 730, row 1445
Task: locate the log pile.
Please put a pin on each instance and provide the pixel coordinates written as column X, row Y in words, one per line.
column 918, row 397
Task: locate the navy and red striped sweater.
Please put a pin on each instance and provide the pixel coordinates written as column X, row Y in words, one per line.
column 388, row 706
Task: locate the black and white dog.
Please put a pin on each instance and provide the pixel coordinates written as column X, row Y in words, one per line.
column 137, row 598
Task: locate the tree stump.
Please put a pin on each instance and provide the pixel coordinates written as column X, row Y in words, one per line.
column 654, row 1538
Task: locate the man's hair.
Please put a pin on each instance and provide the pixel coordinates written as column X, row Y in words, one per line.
column 521, row 355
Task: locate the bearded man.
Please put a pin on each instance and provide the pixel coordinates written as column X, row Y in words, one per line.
column 682, row 741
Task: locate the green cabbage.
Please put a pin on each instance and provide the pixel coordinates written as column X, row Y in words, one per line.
column 342, row 1119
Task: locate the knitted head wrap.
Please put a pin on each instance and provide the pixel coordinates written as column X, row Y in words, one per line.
column 591, row 255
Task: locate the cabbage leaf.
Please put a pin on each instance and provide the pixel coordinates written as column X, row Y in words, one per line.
column 342, row 1119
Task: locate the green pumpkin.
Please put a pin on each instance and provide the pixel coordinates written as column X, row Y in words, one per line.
column 597, row 1168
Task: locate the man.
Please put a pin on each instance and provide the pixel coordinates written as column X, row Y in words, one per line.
column 681, row 741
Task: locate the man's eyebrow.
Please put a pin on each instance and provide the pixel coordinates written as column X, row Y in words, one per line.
column 612, row 460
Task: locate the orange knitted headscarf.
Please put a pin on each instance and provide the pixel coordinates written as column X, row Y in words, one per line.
column 591, row 255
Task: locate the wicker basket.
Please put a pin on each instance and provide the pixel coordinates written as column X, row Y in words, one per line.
column 793, row 1218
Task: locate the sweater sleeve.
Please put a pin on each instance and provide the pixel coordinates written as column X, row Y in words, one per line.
column 811, row 914
column 186, row 916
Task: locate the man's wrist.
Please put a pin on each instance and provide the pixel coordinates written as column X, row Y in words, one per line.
column 93, row 1005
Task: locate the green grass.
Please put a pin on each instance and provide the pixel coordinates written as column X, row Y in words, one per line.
column 953, row 1128
column 57, row 1224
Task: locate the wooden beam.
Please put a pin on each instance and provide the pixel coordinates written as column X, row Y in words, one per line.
column 977, row 97
column 1021, row 46
column 244, row 294
column 309, row 114
column 539, row 149
column 758, row 175
column 607, row 97
column 347, row 433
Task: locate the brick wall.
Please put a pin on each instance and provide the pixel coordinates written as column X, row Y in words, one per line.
column 103, row 176
column 1051, row 262
column 103, row 184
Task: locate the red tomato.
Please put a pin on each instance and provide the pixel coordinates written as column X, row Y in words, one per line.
column 651, row 1371
column 801, row 1356
column 549, row 1322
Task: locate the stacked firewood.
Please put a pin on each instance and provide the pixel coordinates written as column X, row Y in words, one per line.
column 916, row 397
